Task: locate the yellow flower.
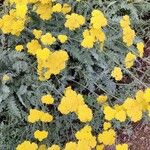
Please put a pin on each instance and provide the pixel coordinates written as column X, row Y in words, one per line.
column 62, row 38
column 37, row 33
column 100, row 147
column 128, row 103
column 55, row 62
column 11, row 23
column 88, row 41
column 85, row 137
column 121, row 116
column 129, row 60
column 33, row 46
column 128, row 33
column 46, row 1
column 98, row 34
column 19, row 48
column 107, row 137
column 109, row 113
column 147, row 95
column 5, row 78
column 139, row 96
column 74, row 21
column 91, row 36
column 66, row 8
column 102, row 99
column 54, row 147
column 21, row 10
column 57, row 8
column 98, row 19
column 133, row 109
column 34, row 116
column 26, row 145
column 40, row 8
column 46, row 117
column 70, row 102
column 47, row 99
column 140, row 47
column 117, row 73
column 122, row 147
column 43, row 54
column 84, row 113
column 106, row 125
column 128, row 36
column 125, row 21
column 82, row 144
column 40, row 135
column 48, row 39
column 70, row 146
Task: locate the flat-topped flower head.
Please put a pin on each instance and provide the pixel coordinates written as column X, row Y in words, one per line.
column 40, row 135
column 74, row 21
column 129, row 60
column 26, row 145
column 117, row 73
column 122, row 147
column 47, row 99
column 107, row 137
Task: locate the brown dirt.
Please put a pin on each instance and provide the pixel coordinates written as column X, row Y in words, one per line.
column 138, row 140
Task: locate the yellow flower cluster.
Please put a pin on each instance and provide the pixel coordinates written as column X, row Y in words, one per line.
column 98, row 19
column 128, row 33
column 107, row 137
column 5, row 78
column 19, row 48
column 40, row 8
column 129, row 60
column 33, row 46
column 14, row 22
column 122, row 147
column 62, row 38
column 140, row 47
column 74, row 21
column 117, row 74
column 48, row 39
column 86, row 141
column 133, row 108
column 102, row 99
column 85, row 138
column 65, row 8
column 50, row 8
column 73, row 102
column 37, row 115
column 47, row 99
column 106, row 125
column 48, row 62
column 47, row 8
column 100, row 147
column 40, row 135
column 11, row 24
column 96, row 33
column 70, row 145
column 37, row 33
column 26, row 145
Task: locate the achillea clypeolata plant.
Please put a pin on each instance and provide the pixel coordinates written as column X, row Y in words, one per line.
column 68, row 73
